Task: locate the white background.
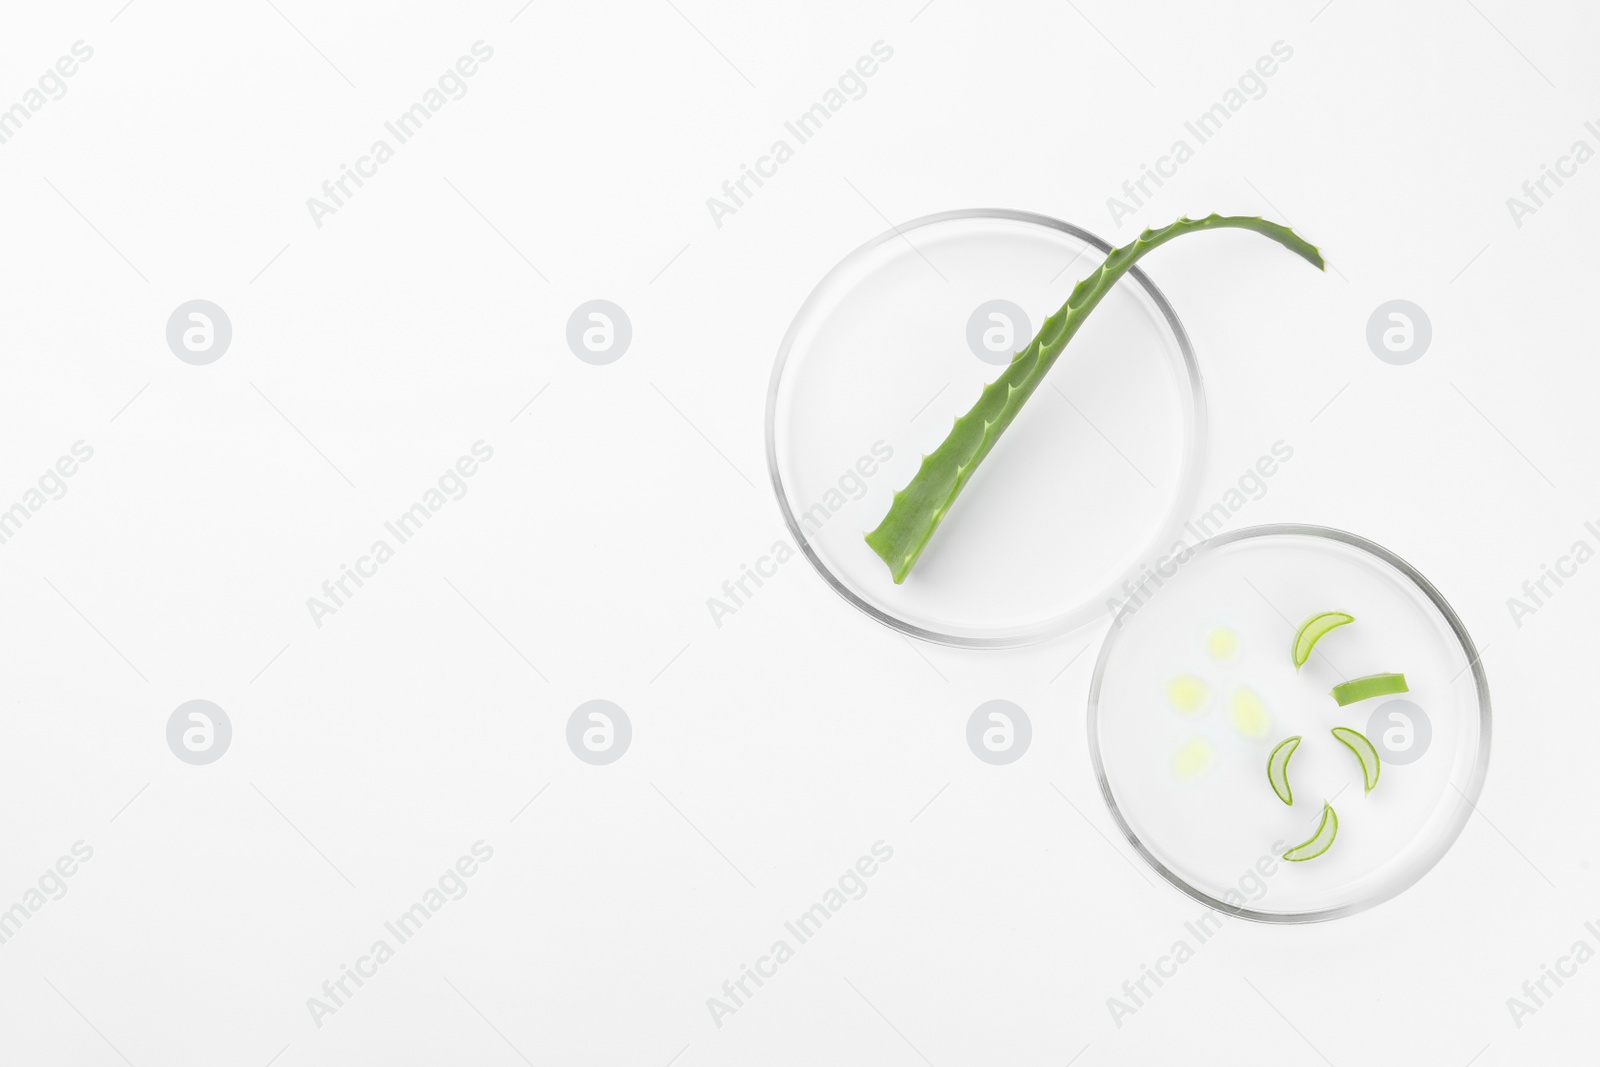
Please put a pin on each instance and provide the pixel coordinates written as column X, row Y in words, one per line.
column 770, row 753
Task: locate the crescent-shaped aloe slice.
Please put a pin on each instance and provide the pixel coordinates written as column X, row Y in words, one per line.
column 1357, row 742
column 919, row 508
column 1373, row 685
column 1278, row 769
column 1320, row 841
column 1313, row 630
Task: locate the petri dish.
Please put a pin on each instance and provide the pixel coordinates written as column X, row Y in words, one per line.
column 1196, row 686
column 1088, row 487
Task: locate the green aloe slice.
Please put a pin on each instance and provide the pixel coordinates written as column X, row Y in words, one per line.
column 1278, row 769
column 1373, row 685
column 1320, row 841
column 918, row 508
column 1371, row 766
column 1313, row 630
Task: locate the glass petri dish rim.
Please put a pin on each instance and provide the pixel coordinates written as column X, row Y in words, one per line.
column 1188, row 475
column 1469, row 797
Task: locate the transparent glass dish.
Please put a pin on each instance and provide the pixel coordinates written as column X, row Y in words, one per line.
column 1088, row 486
column 1196, row 685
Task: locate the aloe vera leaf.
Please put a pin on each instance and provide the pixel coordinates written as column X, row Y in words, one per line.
column 1315, row 629
column 1356, row 741
column 1319, row 842
column 1373, row 685
column 921, row 506
column 1278, row 769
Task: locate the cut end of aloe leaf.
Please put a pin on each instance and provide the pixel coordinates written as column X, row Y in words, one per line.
column 1313, row 630
column 1357, row 742
column 881, row 544
column 1278, row 769
column 1373, row 685
column 1320, row 841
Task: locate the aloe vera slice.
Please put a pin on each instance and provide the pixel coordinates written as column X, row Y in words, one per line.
column 1313, row 630
column 1371, row 766
column 1320, row 841
column 921, row 506
column 1278, row 769
column 1373, row 685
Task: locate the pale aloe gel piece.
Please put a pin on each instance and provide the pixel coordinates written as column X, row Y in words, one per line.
column 1249, row 714
column 1222, row 643
column 1192, row 760
column 1187, row 694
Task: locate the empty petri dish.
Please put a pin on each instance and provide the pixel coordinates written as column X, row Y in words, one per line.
column 1196, row 687
column 1087, row 488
